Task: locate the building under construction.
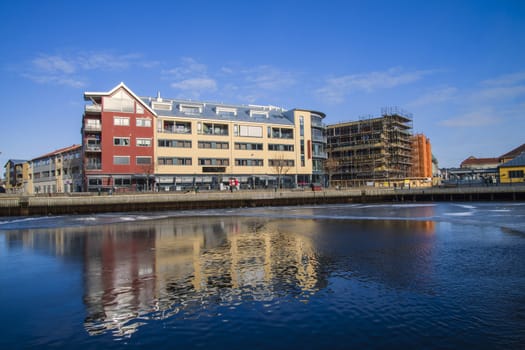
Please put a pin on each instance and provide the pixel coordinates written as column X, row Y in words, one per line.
column 371, row 150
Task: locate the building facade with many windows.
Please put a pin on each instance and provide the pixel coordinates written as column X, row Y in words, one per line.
column 154, row 143
column 59, row 171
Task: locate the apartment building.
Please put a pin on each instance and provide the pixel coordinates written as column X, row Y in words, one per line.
column 17, row 175
column 155, row 143
column 59, row 171
column 372, row 150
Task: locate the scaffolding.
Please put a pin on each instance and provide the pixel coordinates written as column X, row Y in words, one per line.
column 372, row 149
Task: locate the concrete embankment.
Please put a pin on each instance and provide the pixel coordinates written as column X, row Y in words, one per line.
column 74, row 204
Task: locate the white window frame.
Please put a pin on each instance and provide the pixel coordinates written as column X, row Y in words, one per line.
column 120, row 121
column 146, row 140
column 121, row 138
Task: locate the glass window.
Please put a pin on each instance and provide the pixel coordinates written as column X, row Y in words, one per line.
column 144, row 142
column 121, row 141
column 121, row 160
column 121, row 121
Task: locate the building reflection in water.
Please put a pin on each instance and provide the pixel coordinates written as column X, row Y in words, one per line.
column 140, row 271
column 156, row 270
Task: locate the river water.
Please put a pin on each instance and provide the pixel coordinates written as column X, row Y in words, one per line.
column 421, row 276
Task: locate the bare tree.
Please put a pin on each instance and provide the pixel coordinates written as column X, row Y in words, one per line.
column 281, row 166
column 148, row 170
column 330, row 167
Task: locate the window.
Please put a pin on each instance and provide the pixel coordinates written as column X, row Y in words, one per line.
column 173, row 161
column 249, row 146
column 214, row 129
column 144, row 142
column 95, row 182
column 516, row 174
column 143, row 160
column 281, row 162
column 226, row 112
column 301, row 126
column 258, row 114
column 163, row 106
column 282, row 133
column 280, row 147
column 121, row 141
column 214, row 161
column 122, row 181
column 174, row 143
column 144, row 122
column 190, row 109
column 213, row 145
column 121, row 160
column 119, row 102
column 248, row 162
column 250, row 131
column 172, row 127
column 93, row 124
column 121, row 121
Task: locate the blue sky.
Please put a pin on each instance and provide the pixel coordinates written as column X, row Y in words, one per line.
column 457, row 66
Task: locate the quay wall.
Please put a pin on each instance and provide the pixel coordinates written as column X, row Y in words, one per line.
column 87, row 203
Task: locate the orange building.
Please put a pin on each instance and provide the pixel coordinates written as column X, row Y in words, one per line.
column 421, row 157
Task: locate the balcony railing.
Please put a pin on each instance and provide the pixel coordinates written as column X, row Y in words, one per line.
column 94, row 166
column 93, row 148
column 93, row 108
column 92, row 127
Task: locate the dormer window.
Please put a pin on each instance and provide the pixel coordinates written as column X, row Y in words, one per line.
column 226, row 111
column 190, row 109
column 163, row 106
column 258, row 114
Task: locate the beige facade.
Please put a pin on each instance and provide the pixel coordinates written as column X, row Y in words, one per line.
column 57, row 172
column 209, row 146
column 18, row 178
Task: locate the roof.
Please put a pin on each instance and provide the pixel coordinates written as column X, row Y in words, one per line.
column 88, row 95
column 517, row 161
column 59, row 151
column 212, row 111
column 479, row 161
column 15, row 161
column 515, row 152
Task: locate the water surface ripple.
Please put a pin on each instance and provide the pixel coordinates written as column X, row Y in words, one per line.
column 430, row 276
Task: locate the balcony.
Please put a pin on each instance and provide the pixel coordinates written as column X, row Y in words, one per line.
column 93, row 108
column 94, row 166
column 92, row 148
column 92, row 127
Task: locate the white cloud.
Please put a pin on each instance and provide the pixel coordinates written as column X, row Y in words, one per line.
column 53, row 64
column 337, row 88
column 54, row 80
column 64, row 69
column 195, row 87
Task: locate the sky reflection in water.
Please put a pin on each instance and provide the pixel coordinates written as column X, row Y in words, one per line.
column 275, row 277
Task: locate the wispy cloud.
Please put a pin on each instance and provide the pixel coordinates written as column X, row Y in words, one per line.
column 67, row 68
column 188, row 68
column 336, row 89
column 191, row 78
column 196, row 84
column 479, row 118
column 268, row 78
column 439, row 95
column 506, row 79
